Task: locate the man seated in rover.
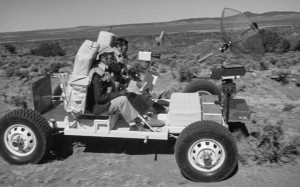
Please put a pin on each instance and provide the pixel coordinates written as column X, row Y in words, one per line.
column 104, row 97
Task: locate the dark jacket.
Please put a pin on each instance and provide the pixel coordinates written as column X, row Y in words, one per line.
column 98, row 100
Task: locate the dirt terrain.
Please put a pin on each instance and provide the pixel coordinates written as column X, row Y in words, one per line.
column 121, row 162
column 127, row 163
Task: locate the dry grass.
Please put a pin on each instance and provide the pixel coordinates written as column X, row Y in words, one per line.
column 268, row 144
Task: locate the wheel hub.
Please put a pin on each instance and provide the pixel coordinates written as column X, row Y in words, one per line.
column 20, row 140
column 206, row 155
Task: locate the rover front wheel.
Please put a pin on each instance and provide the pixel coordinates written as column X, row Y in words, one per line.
column 25, row 137
column 205, row 151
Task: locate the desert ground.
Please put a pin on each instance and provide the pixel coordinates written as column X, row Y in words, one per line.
column 269, row 144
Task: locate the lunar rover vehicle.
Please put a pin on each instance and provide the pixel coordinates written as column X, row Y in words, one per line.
column 205, row 149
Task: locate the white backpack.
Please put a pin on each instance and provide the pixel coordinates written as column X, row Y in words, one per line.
column 77, row 87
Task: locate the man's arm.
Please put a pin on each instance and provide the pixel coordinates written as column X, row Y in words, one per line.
column 100, row 89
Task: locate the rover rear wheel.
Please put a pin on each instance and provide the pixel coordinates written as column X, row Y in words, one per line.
column 25, row 137
column 205, row 151
column 203, row 87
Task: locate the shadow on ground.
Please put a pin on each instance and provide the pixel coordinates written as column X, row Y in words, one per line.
column 238, row 127
column 63, row 146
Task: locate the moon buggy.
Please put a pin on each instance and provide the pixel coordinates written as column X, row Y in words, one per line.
column 205, row 150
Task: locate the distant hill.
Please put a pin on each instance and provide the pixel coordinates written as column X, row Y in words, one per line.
column 191, row 20
column 275, row 18
column 248, row 14
column 273, row 13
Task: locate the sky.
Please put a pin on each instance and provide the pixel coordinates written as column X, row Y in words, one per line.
column 24, row 15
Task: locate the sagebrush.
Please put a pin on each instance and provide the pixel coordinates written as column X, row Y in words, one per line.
column 48, row 49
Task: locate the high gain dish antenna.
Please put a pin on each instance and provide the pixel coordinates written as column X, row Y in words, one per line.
column 240, row 35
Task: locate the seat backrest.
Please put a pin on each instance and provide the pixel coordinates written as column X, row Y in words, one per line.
column 41, row 94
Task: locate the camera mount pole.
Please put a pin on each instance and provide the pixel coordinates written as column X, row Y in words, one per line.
column 228, row 88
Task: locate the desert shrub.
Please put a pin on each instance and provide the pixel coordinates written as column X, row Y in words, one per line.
column 10, row 71
column 264, row 65
column 298, row 82
column 174, row 56
column 187, row 71
column 271, row 146
column 283, row 46
column 10, row 48
column 273, row 60
column 253, row 65
column 172, row 64
column 25, row 64
column 286, row 62
column 281, row 76
column 288, row 107
column 184, row 74
column 33, row 68
column 48, row 49
column 22, row 72
column 286, row 45
column 19, row 101
column 273, row 42
column 220, row 59
column 270, row 40
column 297, row 47
column 54, row 67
